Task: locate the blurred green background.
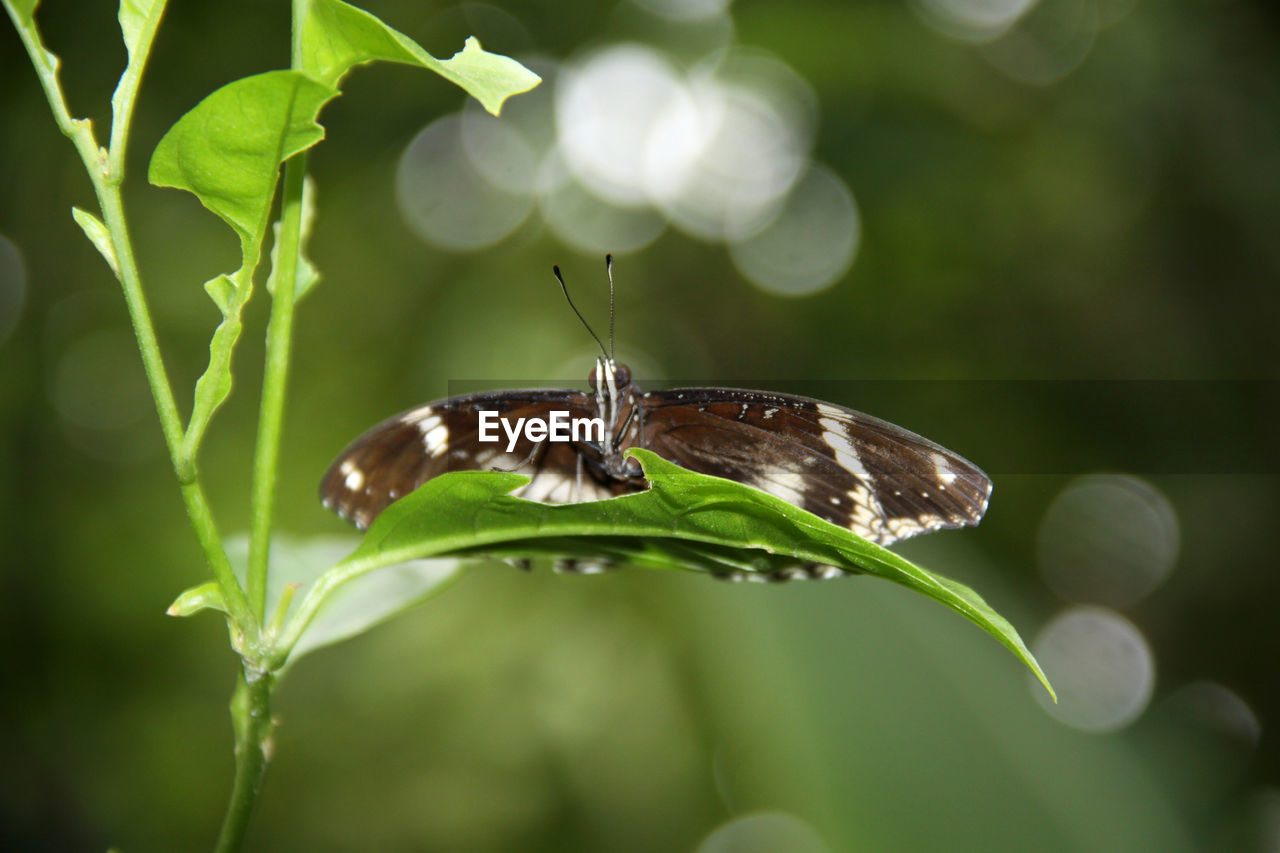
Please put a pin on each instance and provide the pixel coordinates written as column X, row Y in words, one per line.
column 800, row 194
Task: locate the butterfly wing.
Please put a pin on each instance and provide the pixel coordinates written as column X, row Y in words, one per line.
column 880, row 481
column 403, row 452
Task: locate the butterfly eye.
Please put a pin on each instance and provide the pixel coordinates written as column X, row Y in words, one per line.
column 622, row 375
column 593, row 380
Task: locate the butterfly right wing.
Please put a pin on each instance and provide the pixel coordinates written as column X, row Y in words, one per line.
column 403, row 452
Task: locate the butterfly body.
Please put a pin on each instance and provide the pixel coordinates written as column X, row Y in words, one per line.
column 880, row 481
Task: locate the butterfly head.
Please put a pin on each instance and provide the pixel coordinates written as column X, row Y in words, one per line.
column 609, row 374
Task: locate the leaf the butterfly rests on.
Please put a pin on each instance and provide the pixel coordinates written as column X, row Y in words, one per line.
column 878, row 480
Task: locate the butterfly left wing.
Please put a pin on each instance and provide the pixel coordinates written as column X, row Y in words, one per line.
column 880, row 481
column 403, row 452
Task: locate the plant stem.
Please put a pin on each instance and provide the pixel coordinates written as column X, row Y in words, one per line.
column 275, row 381
column 106, row 172
column 197, row 505
column 251, row 720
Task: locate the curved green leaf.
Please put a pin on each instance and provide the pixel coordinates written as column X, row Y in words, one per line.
column 136, row 17
column 228, row 149
column 684, row 520
column 98, row 235
column 206, row 596
column 336, row 37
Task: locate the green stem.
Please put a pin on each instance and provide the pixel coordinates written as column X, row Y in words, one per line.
column 106, row 185
column 193, row 495
column 251, row 720
column 275, row 381
column 78, row 130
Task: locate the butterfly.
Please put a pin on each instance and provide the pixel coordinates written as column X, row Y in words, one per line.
column 880, row 481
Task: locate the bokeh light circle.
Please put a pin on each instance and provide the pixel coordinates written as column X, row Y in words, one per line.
column 1047, row 43
column 716, row 149
column 1107, row 539
column 498, row 151
column 811, row 241
column 684, row 10
column 1221, row 710
column 587, row 222
column 749, row 158
column 98, row 382
column 764, row 832
column 611, row 108
column 13, row 286
column 1101, row 667
column 1262, row 829
column 971, row 20
column 454, row 189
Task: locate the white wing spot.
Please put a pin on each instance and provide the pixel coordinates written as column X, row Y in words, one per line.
column 836, row 438
column 770, row 412
column 788, row 485
column 355, row 479
column 901, row 528
column 436, row 438
column 943, row 469
column 416, row 415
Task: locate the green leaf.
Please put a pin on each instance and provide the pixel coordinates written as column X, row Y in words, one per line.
column 228, row 149
column 23, row 10
column 336, row 37
column 684, row 520
column 206, row 596
column 135, row 19
column 357, row 607
column 306, row 276
column 222, row 290
column 98, row 235
column 214, row 385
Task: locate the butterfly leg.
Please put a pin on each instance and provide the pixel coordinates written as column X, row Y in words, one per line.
column 577, row 483
column 537, row 448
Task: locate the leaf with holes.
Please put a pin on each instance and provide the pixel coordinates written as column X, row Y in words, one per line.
column 685, row 520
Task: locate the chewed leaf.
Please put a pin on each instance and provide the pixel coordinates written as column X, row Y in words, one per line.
column 684, row 520
column 336, row 37
column 228, row 149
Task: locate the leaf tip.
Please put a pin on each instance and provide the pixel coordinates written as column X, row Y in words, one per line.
column 206, row 596
column 490, row 78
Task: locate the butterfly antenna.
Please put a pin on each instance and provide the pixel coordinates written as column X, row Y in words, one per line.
column 556, row 269
column 608, row 268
